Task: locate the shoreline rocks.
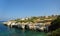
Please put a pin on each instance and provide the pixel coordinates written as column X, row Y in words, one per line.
column 37, row 26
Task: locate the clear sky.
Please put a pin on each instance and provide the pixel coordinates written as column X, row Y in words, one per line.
column 23, row 8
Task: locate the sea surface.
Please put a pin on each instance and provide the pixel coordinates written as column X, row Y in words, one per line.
column 6, row 31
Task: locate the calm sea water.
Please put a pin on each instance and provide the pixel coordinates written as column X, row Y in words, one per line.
column 6, row 31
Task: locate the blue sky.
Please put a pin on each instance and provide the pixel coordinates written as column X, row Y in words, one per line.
column 23, row 8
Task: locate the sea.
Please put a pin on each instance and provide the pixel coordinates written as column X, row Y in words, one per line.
column 7, row 31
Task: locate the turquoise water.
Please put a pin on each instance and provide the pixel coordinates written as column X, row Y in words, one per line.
column 6, row 31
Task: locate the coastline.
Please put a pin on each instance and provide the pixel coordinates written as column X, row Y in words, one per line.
column 33, row 23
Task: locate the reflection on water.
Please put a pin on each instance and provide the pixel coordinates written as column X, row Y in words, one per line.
column 6, row 31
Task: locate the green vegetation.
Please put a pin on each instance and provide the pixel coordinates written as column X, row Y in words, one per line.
column 55, row 24
column 34, row 19
column 54, row 28
column 54, row 33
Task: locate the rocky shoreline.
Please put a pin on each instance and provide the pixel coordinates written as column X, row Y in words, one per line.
column 32, row 23
column 25, row 26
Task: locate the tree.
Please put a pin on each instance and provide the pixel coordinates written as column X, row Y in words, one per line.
column 54, row 28
column 54, row 33
column 55, row 24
